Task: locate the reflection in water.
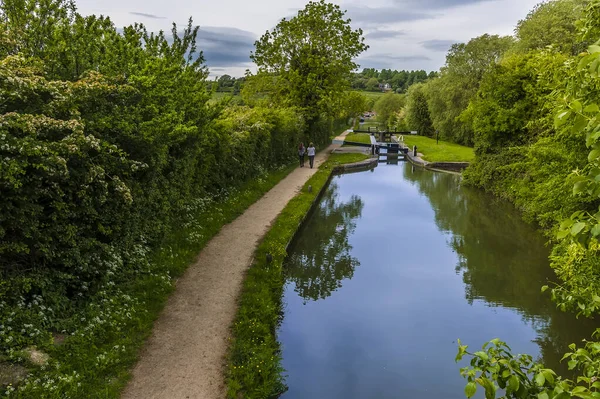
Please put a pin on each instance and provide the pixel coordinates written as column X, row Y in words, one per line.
column 321, row 257
column 438, row 262
column 502, row 259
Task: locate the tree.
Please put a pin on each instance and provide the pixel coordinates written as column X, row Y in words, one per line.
column 387, row 106
column 417, row 112
column 449, row 95
column 354, row 104
column 551, row 23
column 372, row 84
column 311, row 56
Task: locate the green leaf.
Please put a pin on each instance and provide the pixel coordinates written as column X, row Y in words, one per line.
column 470, row 389
column 577, row 228
column 580, row 186
column 576, row 106
column 592, row 108
column 594, row 49
column 540, row 379
column 543, row 395
column 580, row 123
column 596, row 230
column 548, row 375
column 482, row 355
column 572, row 364
column 567, row 223
column 513, row 384
column 594, row 154
column 562, row 118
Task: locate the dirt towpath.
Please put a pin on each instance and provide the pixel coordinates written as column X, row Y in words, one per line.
column 185, row 355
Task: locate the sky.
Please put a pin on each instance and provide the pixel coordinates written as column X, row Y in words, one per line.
column 401, row 34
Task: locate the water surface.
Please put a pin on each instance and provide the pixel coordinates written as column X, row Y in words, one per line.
column 392, row 268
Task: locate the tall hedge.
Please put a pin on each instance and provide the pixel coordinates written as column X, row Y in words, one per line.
column 102, row 148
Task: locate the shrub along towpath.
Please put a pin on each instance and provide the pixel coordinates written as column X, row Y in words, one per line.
column 184, row 357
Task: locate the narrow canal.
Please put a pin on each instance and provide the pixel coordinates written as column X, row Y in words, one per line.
column 393, row 267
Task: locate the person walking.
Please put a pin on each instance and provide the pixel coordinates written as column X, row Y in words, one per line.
column 311, row 154
column 301, row 151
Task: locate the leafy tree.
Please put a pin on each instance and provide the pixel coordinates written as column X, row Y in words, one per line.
column 510, row 100
column 387, row 106
column 354, row 104
column 372, row 84
column 551, row 23
column 449, row 95
column 417, row 111
column 311, row 55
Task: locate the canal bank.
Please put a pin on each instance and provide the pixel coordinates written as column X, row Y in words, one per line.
column 253, row 368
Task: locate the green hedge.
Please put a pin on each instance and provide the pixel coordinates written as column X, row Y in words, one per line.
column 105, row 149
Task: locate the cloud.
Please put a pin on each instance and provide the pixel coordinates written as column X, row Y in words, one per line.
column 225, row 47
column 143, row 14
column 438, row 45
column 385, row 61
column 437, row 4
column 384, row 34
column 368, row 16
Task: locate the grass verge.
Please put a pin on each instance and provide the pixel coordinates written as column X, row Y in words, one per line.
column 442, row 152
column 106, row 335
column 358, row 138
column 254, row 362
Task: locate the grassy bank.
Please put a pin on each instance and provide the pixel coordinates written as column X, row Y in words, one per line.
column 442, row 152
column 254, row 364
column 358, row 138
column 95, row 358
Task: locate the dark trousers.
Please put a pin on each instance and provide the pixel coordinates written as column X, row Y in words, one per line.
column 301, row 157
column 311, row 160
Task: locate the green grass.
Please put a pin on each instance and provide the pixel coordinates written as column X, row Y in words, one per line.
column 219, row 95
column 372, row 124
column 254, row 362
column 371, row 94
column 94, row 361
column 358, row 138
column 442, row 152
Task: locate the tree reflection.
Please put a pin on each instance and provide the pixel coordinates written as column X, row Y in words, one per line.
column 321, row 257
column 503, row 260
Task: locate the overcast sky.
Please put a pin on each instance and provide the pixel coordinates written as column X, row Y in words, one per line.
column 402, row 34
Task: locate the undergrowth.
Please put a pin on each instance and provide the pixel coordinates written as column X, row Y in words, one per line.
column 103, row 338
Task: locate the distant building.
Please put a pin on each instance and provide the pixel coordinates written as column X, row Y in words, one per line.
column 385, row 87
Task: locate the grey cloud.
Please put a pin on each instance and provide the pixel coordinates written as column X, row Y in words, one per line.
column 437, row 4
column 384, row 34
column 381, row 61
column 437, row 44
column 371, row 17
column 225, row 47
column 143, row 14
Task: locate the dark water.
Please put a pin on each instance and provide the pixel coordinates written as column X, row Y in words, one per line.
column 392, row 268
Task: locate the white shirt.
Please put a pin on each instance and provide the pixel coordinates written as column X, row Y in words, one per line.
column 311, row 151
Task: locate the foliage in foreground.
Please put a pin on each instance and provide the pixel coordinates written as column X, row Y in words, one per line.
column 103, row 338
column 254, row 362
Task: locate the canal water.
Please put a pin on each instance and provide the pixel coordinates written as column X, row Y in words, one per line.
column 396, row 264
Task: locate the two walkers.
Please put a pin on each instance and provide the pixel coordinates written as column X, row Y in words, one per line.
column 310, row 151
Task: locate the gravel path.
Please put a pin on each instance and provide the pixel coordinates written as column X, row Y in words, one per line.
column 185, row 355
